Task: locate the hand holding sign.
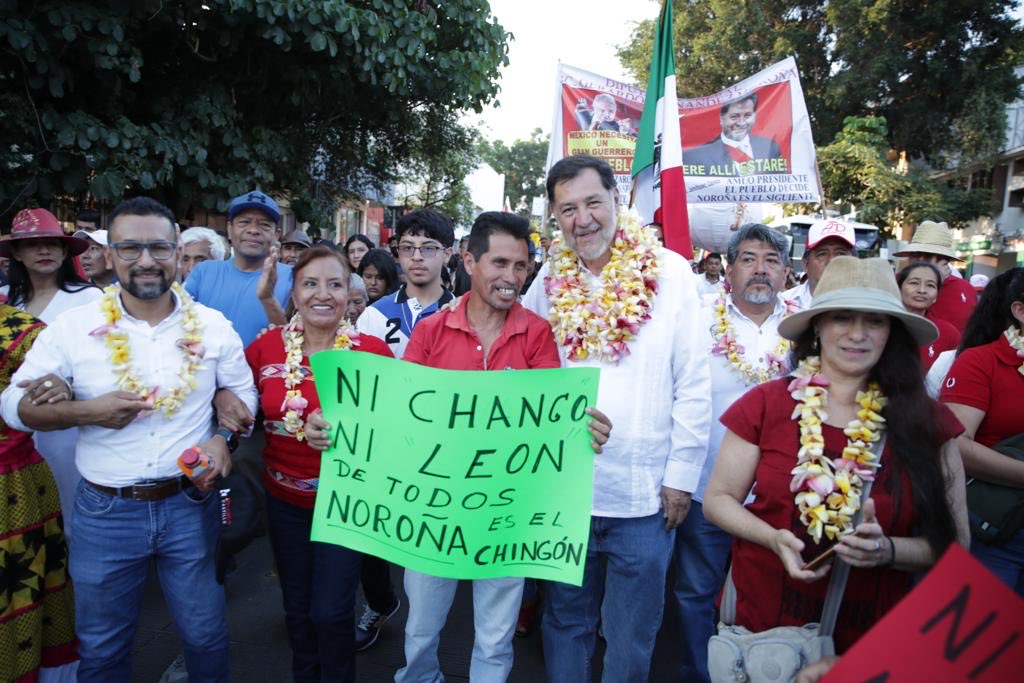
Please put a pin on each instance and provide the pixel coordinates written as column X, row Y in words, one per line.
column 453, row 473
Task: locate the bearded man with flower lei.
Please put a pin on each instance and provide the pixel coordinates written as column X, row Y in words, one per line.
column 619, row 301
column 140, row 370
column 808, row 445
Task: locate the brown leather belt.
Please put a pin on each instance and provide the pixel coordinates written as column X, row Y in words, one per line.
column 151, row 490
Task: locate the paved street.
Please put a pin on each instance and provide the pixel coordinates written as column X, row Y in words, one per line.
column 259, row 644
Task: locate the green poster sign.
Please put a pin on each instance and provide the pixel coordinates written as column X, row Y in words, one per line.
column 459, row 474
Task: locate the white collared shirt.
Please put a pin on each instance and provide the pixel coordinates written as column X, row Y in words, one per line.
column 800, row 295
column 709, row 291
column 727, row 385
column 149, row 446
column 742, row 145
column 658, row 397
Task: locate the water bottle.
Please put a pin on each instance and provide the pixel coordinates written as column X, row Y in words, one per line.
column 194, row 463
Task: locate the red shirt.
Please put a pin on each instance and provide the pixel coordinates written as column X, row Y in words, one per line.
column 955, row 303
column 766, row 596
column 949, row 339
column 284, row 453
column 987, row 377
column 447, row 340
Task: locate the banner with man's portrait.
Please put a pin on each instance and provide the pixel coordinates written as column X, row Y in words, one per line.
column 748, row 143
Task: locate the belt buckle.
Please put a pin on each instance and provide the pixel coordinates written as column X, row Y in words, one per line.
column 141, row 488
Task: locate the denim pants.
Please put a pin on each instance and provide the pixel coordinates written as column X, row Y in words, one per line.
column 635, row 552
column 495, row 610
column 701, row 553
column 318, row 585
column 113, row 542
column 1006, row 561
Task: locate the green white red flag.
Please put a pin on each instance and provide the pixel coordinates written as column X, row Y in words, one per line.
column 659, row 194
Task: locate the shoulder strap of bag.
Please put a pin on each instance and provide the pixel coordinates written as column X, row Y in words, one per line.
column 836, row 583
column 841, row 570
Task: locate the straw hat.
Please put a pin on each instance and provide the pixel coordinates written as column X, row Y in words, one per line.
column 31, row 224
column 931, row 238
column 852, row 284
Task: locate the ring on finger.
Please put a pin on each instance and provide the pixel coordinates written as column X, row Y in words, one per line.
column 878, row 545
column 48, row 384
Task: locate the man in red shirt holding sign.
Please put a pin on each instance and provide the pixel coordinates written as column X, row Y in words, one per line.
column 488, row 330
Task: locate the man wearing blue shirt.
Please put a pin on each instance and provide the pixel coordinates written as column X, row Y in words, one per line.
column 254, row 225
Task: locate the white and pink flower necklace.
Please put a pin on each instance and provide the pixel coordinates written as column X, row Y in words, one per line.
column 828, row 492
column 724, row 336
column 116, row 341
column 294, row 404
column 601, row 322
column 1016, row 340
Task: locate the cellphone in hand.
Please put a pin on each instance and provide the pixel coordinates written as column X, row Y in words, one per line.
column 820, row 559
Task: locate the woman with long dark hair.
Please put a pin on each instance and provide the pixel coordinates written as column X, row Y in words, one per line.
column 356, row 247
column 44, row 284
column 919, row 285
column 379, row 273
column 42, row 278
column 858, row 378
column 984, row 389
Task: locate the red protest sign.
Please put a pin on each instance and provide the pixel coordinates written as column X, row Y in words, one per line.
column 960, row 624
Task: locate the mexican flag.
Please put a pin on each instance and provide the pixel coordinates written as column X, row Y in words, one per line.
column 658, row 191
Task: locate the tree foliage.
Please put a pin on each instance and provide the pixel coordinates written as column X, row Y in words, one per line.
column 196, row 102
column 435, row 176
column 924, row 66
column 857, row 174
column 522, row 163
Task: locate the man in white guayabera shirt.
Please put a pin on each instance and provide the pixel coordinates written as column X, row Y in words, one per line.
column 654, row 388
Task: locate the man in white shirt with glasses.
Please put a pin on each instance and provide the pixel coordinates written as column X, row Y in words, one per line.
column 142, row 367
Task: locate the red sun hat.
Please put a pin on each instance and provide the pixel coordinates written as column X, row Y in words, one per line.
column 31, row 224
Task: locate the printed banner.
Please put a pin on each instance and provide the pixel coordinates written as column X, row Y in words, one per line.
column 748, row 143
column 464, row 475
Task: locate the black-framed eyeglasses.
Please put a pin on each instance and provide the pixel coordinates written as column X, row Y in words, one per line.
column 426, row 251
column 132, row 251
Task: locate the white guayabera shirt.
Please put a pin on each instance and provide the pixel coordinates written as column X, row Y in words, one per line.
column 657, row 398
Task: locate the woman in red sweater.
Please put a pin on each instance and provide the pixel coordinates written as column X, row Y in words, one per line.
column 318, row 580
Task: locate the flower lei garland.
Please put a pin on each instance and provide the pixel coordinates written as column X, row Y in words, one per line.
column 294, row 404
column 726, row 345
column 601, row 323
column 1016, row 340
column 828, row 492
column 191, row 345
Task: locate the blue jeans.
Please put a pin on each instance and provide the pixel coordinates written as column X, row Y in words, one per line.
column 1006, row 561
column 701, row 553
column 318, row 585
column 113, row 542
column 636, row 552
column 495, row 608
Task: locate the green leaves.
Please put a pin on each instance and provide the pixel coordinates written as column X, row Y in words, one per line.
column 194, row 105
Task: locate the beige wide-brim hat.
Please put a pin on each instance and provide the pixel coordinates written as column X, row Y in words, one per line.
column 853, row 284
column 931, row 238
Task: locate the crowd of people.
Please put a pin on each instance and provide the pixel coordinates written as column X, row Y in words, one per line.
column 743, row 426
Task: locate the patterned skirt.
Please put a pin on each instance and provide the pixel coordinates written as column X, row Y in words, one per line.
column 37, row 609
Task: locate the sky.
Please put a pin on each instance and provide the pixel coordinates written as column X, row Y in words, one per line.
column 577, row 32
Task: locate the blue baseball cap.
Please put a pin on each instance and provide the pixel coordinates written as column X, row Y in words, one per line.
column 254, row 200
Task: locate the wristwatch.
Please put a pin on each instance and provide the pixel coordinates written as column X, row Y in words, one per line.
column 229, row 436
